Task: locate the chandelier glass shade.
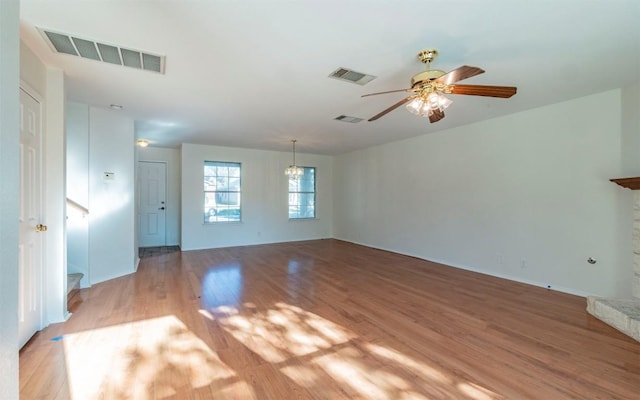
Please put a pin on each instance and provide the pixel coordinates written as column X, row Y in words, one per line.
column 294, row 171
column 426, row 103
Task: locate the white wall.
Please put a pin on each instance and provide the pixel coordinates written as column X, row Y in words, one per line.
column 78, row 153
column 172, row 158
column 631, row 130
column 530, row 187
column 264, row 199
column 112, row 250
column 48, row 84
column 78, row 190
column 55, row 273
column 9, row 199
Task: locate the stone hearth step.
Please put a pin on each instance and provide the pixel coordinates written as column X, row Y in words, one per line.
column 622, row 314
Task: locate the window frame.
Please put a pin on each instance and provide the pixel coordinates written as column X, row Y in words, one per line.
column 228, row 164
column 315, row 195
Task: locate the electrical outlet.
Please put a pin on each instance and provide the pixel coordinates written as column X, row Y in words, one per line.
column 523, row 263
column 499, row 259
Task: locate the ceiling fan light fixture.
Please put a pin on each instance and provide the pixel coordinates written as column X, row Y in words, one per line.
column 443, row 102
column 427, row 87
column 433, row 100
column 417, row 106
column 425, row 105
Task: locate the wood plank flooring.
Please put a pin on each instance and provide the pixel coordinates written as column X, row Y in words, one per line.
column 324, row 319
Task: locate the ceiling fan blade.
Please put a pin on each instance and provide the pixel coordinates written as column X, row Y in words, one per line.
column 484, row 90
column 393, row 107
column 436, row 115
column 459, row 74
column 389, row 91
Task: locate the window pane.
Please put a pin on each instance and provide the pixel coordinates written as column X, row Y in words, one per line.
column 302, row 195
column 225, row 214
column 307, row 199
column 306, row 212
column 222, row 192
column 234, row 184
column 209, row 183
column 293, row 185
column 294, row 212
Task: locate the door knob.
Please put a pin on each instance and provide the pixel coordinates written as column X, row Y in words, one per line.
column 41, row 228
column 161, row 208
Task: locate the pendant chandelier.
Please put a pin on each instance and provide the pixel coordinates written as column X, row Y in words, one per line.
column 294, row 171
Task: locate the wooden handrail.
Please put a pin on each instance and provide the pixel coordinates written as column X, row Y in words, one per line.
column 77, row 206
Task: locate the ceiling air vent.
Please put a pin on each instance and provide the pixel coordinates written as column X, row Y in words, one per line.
column 346, row 118
column 109, row 53
column 348, row 75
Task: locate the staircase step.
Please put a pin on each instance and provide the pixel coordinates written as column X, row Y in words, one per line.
column 73, row 281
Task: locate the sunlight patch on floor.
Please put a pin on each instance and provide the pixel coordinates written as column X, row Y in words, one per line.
column 283, row 331
column 141, row 360
column 418, row 368
column 349, row 369
column 302, row 375
column 476, row 392
column 309, row 349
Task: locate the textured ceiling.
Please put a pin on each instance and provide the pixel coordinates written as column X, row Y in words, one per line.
column 254, row 73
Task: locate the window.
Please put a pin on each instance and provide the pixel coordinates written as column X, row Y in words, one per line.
column 221, row 192
column 302, row 195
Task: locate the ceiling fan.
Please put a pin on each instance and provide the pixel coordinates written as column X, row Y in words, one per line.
column 428, row 87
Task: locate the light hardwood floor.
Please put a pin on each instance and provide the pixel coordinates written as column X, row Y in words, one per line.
column 324, row 320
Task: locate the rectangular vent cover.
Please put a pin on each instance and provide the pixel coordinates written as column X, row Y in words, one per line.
column 346, row 118
column 113, row 54
column 345, row 74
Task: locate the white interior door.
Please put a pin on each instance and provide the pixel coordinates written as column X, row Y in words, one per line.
column 31, row 230
column 152, row 181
